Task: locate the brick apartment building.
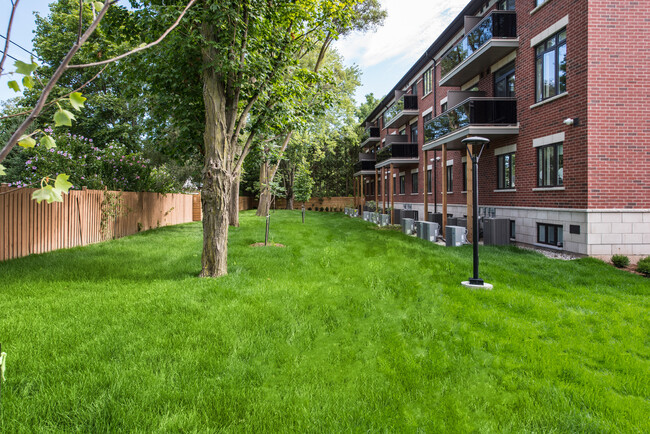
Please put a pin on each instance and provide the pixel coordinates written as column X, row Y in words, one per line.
column 560, row 87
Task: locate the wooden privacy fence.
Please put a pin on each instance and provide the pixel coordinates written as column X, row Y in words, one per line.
column 246, row 203
column 27, row 227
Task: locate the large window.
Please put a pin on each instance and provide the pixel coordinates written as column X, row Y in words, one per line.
column 402, row 184
column 508, row 5
column 427, row 81
column 450, row 179
column 414, row 133
column 550, row 67
column 540, row 2
column 506, row 171
column 549, row 234
column 426, row 118
column 414, row 89
column 550, row 165
column 414, row 183
column 504, row 81
column 429, row 181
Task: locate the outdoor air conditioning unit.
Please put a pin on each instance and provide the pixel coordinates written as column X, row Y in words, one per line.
column 427, row 230
column 408, row 226
column 496, row 232
column 374, row 217
column 455, row 236
column 384, row 219
column 451, row 221
column 366, row 215
column 435, row 217
column 346, row 210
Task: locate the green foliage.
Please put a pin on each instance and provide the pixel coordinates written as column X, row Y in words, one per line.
column 372, row 205
column 52, row 193
column 643, row 266
column 112, row 166
column 620, row 261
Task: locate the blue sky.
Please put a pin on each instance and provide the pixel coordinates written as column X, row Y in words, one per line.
column 383, row 56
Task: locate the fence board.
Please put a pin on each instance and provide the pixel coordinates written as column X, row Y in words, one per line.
column 27, row 227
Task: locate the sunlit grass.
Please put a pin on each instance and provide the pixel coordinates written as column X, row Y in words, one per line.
column 347, row 328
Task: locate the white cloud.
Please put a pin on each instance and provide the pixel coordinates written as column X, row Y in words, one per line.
column 410, row 28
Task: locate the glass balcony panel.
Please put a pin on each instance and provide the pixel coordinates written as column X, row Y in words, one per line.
column 498, row 24
column 398, row 150
column 406, row 102
column 473, row 111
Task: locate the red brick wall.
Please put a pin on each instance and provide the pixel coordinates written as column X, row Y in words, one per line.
column 619, row 110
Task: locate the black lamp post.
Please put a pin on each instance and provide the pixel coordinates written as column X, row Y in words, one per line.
column 475, row 281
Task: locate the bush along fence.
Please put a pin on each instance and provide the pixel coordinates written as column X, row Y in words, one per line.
column 84, row 217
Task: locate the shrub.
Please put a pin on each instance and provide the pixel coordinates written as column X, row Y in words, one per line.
column 327, row 209
column 322, row 209
column 309, row 208
column 643, row 266
column 620, row 261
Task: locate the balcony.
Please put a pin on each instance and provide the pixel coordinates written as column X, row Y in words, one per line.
column 397, row 152
column 403, row 110
column 488, row 117
column 492, row 38
column 371, row 136
column 365, row 165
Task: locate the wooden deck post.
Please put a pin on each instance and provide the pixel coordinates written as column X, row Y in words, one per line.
column 443, row 165
column 392, row 195
column 383, row 190
column 470, row 195
column 376, row 190
column 426, row 192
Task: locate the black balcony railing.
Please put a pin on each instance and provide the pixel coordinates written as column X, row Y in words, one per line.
column 372, row 132
column 398, row 150
column 472, row 111
column 498, row 24
column 406, row 102
column 364, row 165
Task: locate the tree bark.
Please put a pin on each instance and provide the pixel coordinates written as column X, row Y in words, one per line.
column 217, row 176
column 234, row 202
column 264, row 204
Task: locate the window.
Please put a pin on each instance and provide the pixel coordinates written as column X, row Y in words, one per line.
column 549, row 234
column 414, row 183
column 414, row 133
column 550, row 67
column 414, row 89
column 394, row 185
column 506, row 171
column 443, row 107
column 450, row 179
column 550, row 165
column 504, row 81
column 465, row 176
column 507, row 5
column 513, row 232
column 429, row 180
column 540, row 2
column 379, row 188
column 402, row 132
column 426, row 118
column 402, row 184
column 427, row 81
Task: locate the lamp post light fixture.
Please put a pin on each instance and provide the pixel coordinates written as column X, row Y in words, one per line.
column 475, row 281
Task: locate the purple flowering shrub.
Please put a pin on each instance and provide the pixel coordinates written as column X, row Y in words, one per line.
column 110, row 166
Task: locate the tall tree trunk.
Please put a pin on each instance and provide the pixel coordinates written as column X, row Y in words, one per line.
column 289, row 179
column 233, row 217
column 264, row 205
column 217, row 176
column 268, row 173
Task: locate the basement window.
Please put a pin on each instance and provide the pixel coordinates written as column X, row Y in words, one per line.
column 549, row 234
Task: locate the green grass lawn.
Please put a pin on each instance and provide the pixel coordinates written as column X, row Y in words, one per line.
column 347, row 328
